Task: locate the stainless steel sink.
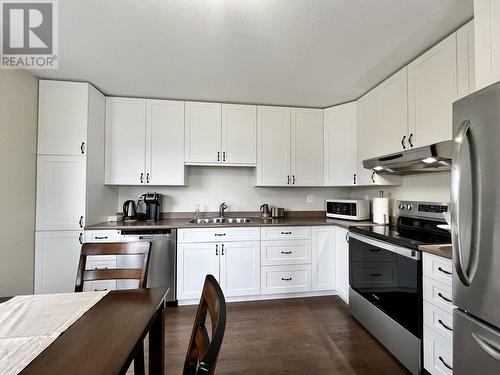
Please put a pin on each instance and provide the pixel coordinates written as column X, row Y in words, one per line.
column 221, row 220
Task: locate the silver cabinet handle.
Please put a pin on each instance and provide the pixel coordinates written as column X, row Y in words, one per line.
column 224, row 156
column 286, row 232
column 142, row 178
column 218, row 156
column 82, row 148
column 219, row 234
column 286, row 252
column 293, row 179
column 288, row 179
column 409, row 140
column 100, row 290
column 403, row 142
column 492, row 350
column 101, row 237
column 445, row 364
column 101, row 268
column 444, row 271
column 147, row 178
column 80, row 222
column 462, row 272
column 444, row 325
column 443, row 297
column 354, row 179
column 216, row 249
column 286, row 278
column 222, row 249
column 80, row 238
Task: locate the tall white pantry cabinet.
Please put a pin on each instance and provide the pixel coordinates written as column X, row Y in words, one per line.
column 70, row 172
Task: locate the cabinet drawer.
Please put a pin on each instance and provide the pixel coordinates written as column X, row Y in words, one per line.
column 437, row 268
column 438, row 320
column 438, row 294
column 102, row 235
column 99, row 285
column 100, row 262
column 367, row 274
column 285, row 279
column 285, row 252
column 218, row 234
column 286, row 233
column 437, row 353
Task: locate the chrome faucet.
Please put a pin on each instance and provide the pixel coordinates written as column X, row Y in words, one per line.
column 222, row 207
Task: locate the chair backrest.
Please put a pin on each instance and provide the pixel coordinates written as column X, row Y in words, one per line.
column 119, row 248
column 203, row 351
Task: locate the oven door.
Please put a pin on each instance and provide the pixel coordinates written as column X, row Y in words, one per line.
column 388, row 276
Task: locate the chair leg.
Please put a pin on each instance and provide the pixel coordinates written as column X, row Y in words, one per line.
column 139, row 360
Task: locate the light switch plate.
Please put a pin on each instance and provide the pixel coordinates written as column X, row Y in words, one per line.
column 310, row 198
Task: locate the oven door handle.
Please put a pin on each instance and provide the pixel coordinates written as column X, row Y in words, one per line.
column 412, row 254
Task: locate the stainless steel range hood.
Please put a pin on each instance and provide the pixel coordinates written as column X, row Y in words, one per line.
column 433, row 158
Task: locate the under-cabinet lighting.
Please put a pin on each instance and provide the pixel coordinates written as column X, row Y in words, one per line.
column 378, row 168
column 429, row 160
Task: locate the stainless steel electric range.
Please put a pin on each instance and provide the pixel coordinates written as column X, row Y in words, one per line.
column 385, row 277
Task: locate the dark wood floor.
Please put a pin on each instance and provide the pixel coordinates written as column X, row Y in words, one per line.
column 292, row 336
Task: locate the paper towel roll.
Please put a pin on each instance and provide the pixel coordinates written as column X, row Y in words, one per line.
column 380, row 210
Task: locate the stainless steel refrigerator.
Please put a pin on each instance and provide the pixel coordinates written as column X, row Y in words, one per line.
column 476, row 232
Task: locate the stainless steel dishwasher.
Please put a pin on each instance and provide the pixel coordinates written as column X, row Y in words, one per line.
column 162, row 262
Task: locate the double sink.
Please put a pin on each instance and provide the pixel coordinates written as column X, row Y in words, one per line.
column 221, row 220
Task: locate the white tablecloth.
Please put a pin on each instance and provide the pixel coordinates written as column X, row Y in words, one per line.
column 28, row 324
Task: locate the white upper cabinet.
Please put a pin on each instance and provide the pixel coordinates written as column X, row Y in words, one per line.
column 203, row 133
column 239, row 134
column 307, row 147
column 487, row 42
column 62, row 117
column 466, row 65
column 144, row 142
column 164, row 146
column 432, row 88
column 273, row 146
column 60, row 192
column 125, row 141
column 340, row 147
column 392, row 114
column 367, row 135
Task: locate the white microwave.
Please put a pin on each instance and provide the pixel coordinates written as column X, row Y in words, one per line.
column 350, row 209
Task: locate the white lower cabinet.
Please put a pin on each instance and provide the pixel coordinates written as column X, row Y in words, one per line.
column 323, row 262
column 56, row 261
column 240, row 268
column 438, row 318
column 342, row 262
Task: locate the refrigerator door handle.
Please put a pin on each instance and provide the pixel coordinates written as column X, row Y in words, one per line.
column 462, row 273
column 491, row 349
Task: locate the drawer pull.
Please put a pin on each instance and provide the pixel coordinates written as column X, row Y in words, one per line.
column 219, row 234
column 444, row 271
column 375, row 274
column 286, row 232
column 375, row 250
column 443, row 297
column 102, row 268
column 444, row 325
column 100, row 290
column 286, row 278
column 286, row 252
column 100, row 237
column 445, row 364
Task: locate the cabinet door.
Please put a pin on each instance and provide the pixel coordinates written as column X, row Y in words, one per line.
column 323, row 262
column 203, row 133
column 273, row 146
column 466, row 66
column 392, row 114
column 164, row 142
column 60, row 192
column 487, row 42
column 307, row 147
column 342, row 263
column 367, row 135
column 239, row 134
column 240, row 268
column 340, row 135
column 125, row 141
column 56, row 261
column 194, row 263
column 432, row 88
column 62, row 118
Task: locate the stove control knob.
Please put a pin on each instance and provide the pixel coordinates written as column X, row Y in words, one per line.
column 409, row 207
column 401, row 206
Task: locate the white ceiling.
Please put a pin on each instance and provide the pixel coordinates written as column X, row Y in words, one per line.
column 290, row 52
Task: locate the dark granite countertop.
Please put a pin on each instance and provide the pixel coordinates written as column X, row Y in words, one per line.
column 439, row 250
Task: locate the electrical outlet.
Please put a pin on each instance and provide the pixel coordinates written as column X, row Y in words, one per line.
column 310, row 198
column 367, row 197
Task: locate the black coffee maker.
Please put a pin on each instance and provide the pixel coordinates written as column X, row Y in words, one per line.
column 153, row 207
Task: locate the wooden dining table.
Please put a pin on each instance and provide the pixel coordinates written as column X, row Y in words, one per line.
column 104, row 339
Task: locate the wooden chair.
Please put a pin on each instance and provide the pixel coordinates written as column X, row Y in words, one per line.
column 203, row 352
column 141, row 274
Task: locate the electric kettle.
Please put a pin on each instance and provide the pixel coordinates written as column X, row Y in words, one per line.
column 129, row 212
column 264, row 211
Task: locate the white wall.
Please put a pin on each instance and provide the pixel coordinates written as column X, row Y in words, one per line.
column 209, row 186
column 18, row 134
column 433, row 187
